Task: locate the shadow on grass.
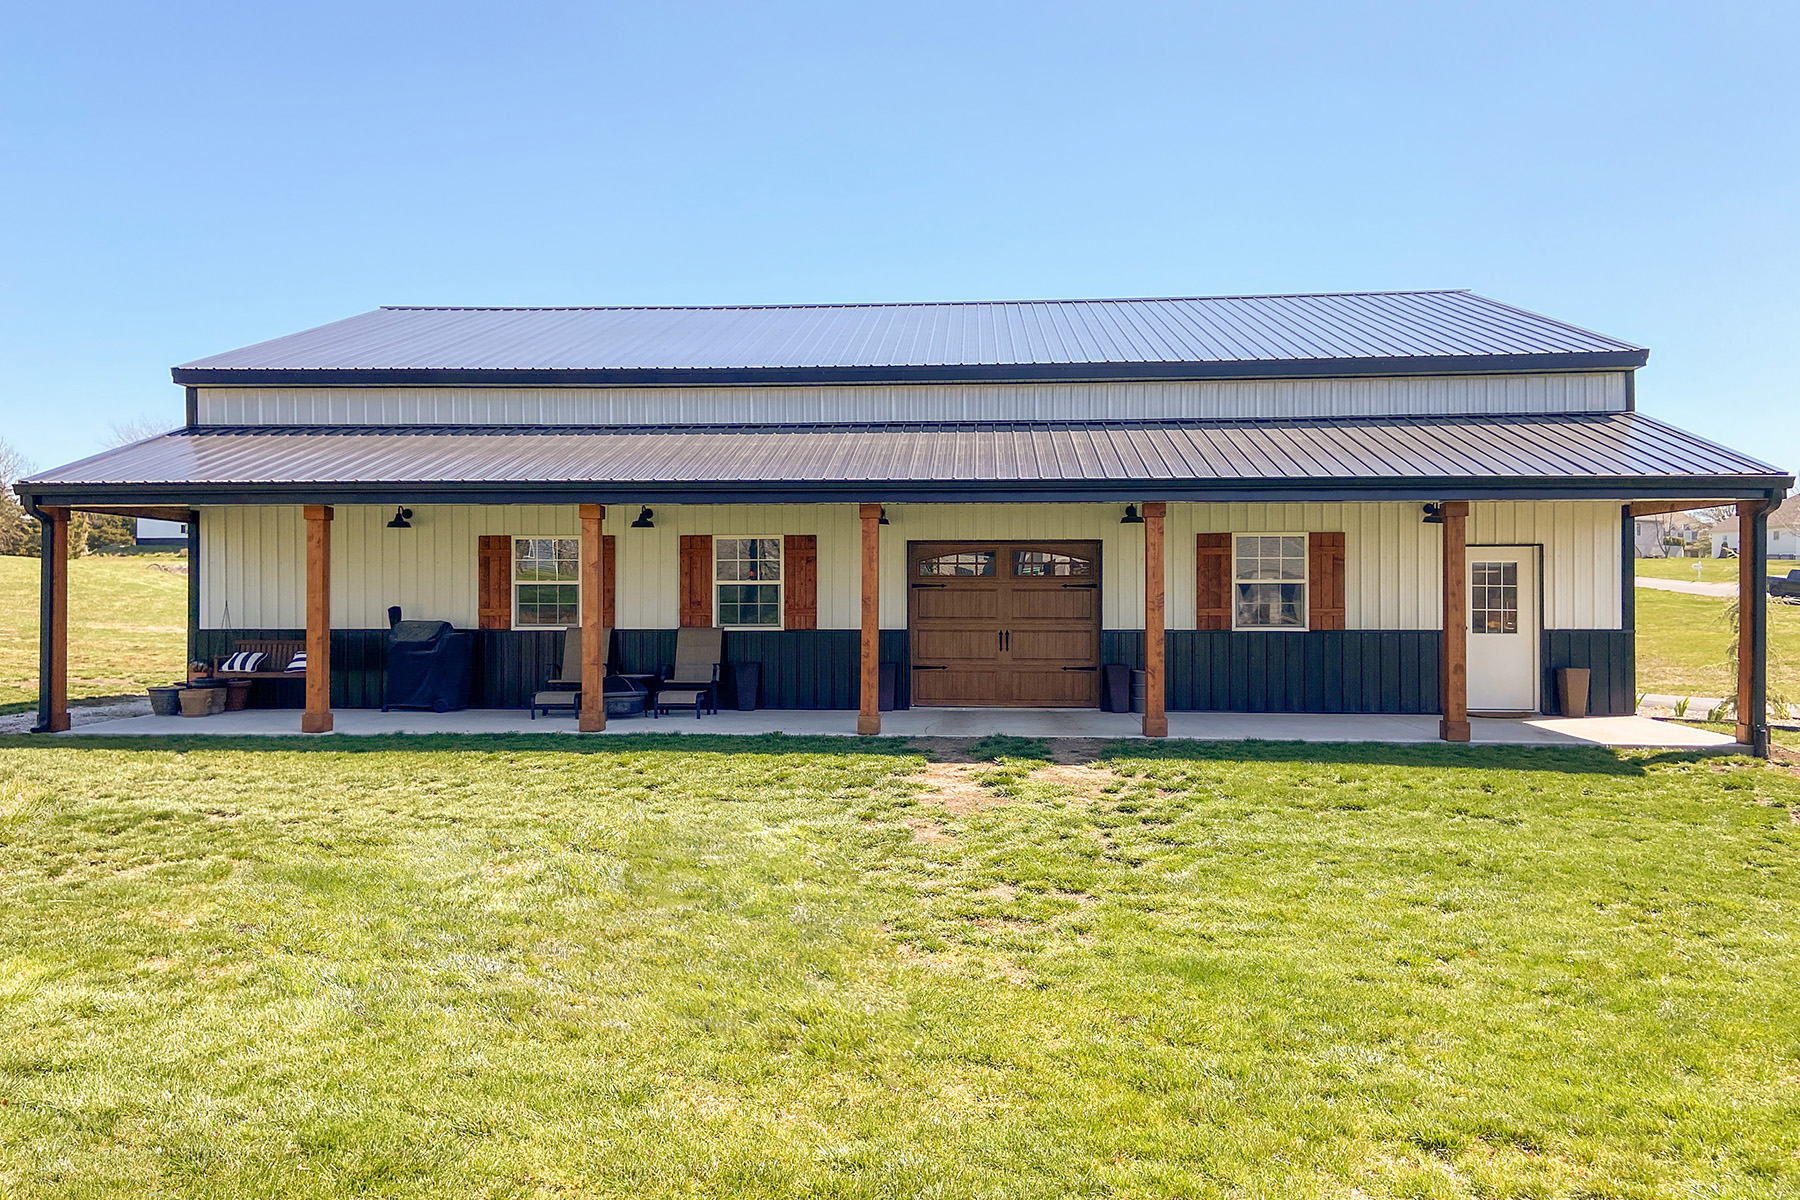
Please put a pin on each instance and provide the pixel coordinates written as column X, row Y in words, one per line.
column 1574, row 760
column 473, row 743
column 30, row 706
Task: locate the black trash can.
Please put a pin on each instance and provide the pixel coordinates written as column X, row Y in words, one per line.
column 746, row 682
column 1115, row 688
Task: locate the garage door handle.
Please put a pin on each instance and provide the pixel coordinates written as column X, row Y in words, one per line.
column 918, row 667
column 1089, row 586
column 1081, row 668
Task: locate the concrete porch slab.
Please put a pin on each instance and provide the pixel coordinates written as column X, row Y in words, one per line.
column 1619, row 732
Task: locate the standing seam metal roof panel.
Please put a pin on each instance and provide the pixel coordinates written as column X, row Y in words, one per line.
column 1194, row 330
column 1328, row 452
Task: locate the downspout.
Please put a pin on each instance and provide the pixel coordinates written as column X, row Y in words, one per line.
column 46, row 587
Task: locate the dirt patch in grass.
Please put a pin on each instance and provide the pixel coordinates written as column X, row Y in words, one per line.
column 966, row 749
column 927, row 832
column 954, row 785
column 1084, row 782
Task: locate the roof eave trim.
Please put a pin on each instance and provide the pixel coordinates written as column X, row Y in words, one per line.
column 1473, row 364
column 1623, row 488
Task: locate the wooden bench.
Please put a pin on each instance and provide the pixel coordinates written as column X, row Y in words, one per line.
column 280, row 653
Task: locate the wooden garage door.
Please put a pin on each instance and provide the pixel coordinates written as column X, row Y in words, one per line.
column 1005, row 623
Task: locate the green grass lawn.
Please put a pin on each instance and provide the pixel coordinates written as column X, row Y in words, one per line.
column 1683, row 646
column 502, row 967
column 127, row 626
column 1713, row 570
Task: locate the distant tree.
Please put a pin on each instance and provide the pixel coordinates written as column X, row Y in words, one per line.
column 21, row 534
column 18, row 532
column 136, row 430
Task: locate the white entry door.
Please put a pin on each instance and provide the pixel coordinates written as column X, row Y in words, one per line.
column 1503, row 629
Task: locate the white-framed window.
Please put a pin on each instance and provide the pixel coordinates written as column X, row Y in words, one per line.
column 1268, row 581
column 747, row 582
column 546, row 582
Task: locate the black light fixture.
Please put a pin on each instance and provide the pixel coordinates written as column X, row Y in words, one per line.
column 1131, row 516
column 1434, row 514
column 883, row 519
column 644, row 521
column 402, row 519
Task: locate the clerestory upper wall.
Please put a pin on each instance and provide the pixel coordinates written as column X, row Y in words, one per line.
column 1277, row 399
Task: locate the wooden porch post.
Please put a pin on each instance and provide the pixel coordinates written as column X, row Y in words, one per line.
column 1453, row 658
column 53, row 635
column 1753, row 615
column 1156, row 721
column 868, row 718
column 317, row 717
column 592, row 718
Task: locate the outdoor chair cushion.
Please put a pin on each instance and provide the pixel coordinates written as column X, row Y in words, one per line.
column 697, row 655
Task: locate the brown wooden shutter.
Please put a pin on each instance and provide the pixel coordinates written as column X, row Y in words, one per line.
column 493, row 581
column 696, row 581
column 1325, row 569
column 1212, row 575
column 800, row 575
column 609, row 565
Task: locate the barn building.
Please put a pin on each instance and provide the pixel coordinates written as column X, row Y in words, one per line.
column 1264, row 503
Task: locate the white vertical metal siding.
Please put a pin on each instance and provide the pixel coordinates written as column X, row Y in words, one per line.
column 252, row 562
column 1582, row 563
column 1291, row 398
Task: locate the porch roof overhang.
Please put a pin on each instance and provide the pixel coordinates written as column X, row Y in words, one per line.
column 1624, row 456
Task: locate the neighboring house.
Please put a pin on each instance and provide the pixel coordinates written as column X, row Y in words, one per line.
column 986, row 502
column 1783, row 534
column 1668, row 534
column 151, row 532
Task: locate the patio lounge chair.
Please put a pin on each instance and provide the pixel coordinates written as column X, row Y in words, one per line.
column 693, row 682
column 562, row 690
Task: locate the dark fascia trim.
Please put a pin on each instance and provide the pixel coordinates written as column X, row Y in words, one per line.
column 193, row 408
column 923, row 492
column 1472, row 364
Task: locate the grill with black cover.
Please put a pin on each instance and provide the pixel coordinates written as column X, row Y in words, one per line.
column 428, row 666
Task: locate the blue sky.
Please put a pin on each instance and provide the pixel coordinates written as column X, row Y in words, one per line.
column 186, row 178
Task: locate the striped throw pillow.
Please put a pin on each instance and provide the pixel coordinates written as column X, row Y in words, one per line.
column 244, row 660
column 298, row 662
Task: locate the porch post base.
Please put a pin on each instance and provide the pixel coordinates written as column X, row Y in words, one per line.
column 589, row 723
column 58, row 723
column 1157, row 726
column 1746, row 733
column 313, row 722
column 1453, row 731
column 868, row 725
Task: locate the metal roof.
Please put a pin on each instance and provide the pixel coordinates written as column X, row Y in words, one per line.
column 1191, row 337
column 1616, row 454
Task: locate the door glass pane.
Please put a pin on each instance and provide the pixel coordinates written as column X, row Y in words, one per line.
column 1494, row 597
column 1038, row 563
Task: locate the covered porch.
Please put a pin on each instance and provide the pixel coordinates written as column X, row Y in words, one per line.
column 1165, row 510
column 1629, row 732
